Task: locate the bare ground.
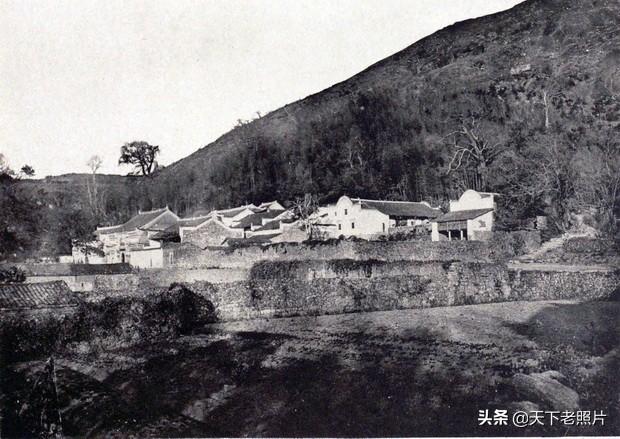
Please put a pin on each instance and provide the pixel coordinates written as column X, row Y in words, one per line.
column 396, row 373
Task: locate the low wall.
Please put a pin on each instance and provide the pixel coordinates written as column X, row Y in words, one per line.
column 189, row 256
column 86, row 283
column 546, row 285
column 115, row 281
column 343, row 269
column 437, row 284
column 165, row 276
column 75, row 283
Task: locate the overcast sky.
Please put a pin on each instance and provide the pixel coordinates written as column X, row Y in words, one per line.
column 79, row 78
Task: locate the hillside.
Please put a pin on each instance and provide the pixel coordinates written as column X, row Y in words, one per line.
column 543, row 71
column 524, row 103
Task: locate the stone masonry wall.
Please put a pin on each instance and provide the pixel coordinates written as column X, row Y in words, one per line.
column 165, row 276
column 343, row 269
column 189, row 256
column 116, row 281
column 444, row 285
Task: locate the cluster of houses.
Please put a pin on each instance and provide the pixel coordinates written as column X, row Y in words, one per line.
column 149, row 239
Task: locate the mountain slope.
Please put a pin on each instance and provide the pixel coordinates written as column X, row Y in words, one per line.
column 544, row 67
column 535, row 88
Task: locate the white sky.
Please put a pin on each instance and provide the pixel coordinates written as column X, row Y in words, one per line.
column 80, row 77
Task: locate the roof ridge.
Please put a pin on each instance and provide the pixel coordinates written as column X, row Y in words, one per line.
column 392, row 201
column 244, row 206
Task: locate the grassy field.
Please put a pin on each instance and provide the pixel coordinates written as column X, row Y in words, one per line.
column 397, row 373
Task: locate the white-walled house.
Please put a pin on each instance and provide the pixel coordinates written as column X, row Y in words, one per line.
column 153, row 257
column 134, row 235
column 371, row 218
column 471, row 217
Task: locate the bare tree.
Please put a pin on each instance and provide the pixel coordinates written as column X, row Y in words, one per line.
column 472, row 154
column 94, row 163
column 141, row 155
column 4, row 166
column 551, row 90
column 597, row 185
column 543, row 175
column 304, row 210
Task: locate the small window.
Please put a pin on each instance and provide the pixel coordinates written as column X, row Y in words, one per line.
column 339, row 226
column 352, row 225
column 383, row 224
column 346, row 212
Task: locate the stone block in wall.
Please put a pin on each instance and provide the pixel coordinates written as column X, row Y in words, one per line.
column 116, row 282
column 192, row 257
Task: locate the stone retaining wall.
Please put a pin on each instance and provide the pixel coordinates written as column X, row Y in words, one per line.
column 165, row 276
column 116, row 281
column 343, row 269
column 189, row 256
column 436, row 284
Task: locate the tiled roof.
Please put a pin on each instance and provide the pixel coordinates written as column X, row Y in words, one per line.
column 229, row 213
column 275, row 225
column 74, row 269
column 37, row 295
column 401, row 208
column 140, row 220
column 256, row 239
column 256, row 219
column 462, row 215
column 172, row 232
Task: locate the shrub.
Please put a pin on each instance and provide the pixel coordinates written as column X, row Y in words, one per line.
column 516, row 243
column 274, row 269
column 12, row 275
column 586, row 245
column 111, row 323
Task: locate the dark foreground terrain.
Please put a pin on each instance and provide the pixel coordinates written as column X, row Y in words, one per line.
column 397, row 373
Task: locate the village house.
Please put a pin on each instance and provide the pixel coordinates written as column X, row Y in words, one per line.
column 118, row 242
column 285, row 228
column 214, row 229
column 372, row 218
column 470, row 218
column 150, row 239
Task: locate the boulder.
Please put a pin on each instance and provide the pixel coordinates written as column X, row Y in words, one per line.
column 544, row 388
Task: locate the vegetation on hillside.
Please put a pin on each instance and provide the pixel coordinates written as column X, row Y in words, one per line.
column 524, row 103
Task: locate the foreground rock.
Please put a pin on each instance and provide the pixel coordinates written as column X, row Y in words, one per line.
column 546, row 388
